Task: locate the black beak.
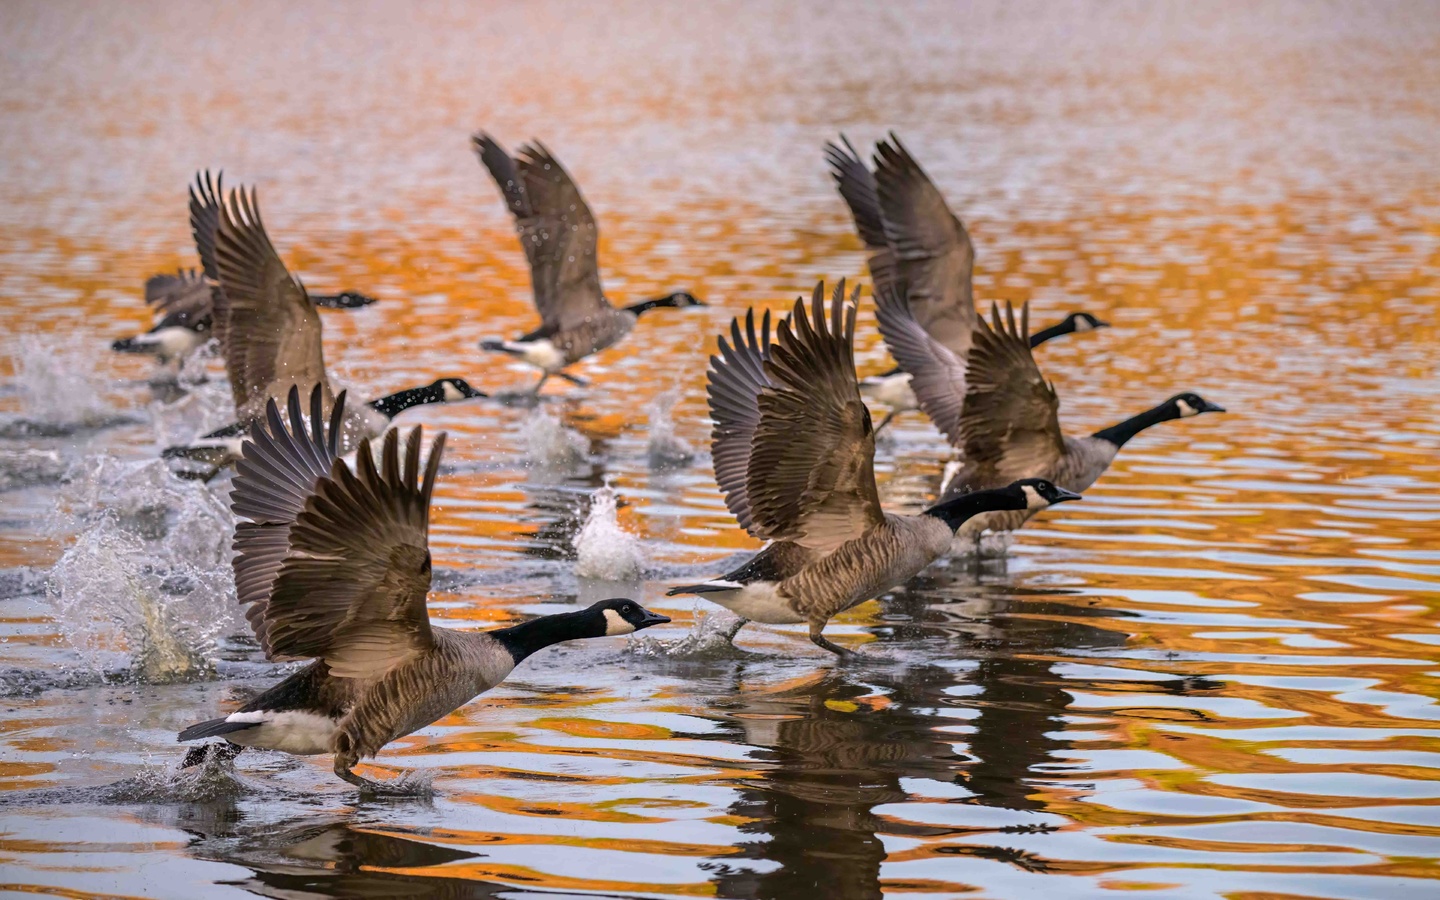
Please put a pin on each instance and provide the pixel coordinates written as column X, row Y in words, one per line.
column 1061, row 495
column 1100, row 323
column 649, row 618
column 1211, row 407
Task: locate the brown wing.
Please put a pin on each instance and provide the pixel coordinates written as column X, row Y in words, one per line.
column 352, row 586
column 933, row 253
column 557, row 231
column 276, row 475
column 811, row 475
column 736, row 377
column 186, row 294
column 861, row 193
column 205, row 219
column 937, row 376
column 271, row 329
column 1010, row 427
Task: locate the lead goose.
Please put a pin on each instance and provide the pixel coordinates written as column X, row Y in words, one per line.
column 271, row 337
column 335, row 566
column 184, row 309
column 794, row 456
column 920, row 250
column 559, row 235
column 1010, row 423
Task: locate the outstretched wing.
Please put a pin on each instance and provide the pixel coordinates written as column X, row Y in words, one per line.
column 811, row 475
column 351, row 586
column 861, row 193
column 557, row 231
column 185, row 295
column 271, row 331
column 277, row 473
column 933, row 253
column 937, row 376
column 736, row 377
column 205, row 219
column 1010, row 427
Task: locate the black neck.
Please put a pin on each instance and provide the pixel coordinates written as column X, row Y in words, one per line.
column 537, row 634
column 1054, row 331
column 647, row 305
column 1119, row 434
column 396, row 403
column 955, row 511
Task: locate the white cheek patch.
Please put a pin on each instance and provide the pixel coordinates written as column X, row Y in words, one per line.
column 1082, row 325
column 1186, row 410
column 616, row 625
column 1033, row 500
column 451, row 393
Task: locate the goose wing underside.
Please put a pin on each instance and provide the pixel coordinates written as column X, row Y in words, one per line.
column 736, row 377
column 1010, row 426
column 933, row 254
column 811, row 477
column 937, row 375
column 271, row 330
column 861, row 194
column 351, row 583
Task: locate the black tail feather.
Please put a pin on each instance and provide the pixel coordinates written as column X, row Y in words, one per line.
column 213, row 728
column 702, row 588
column 498, row 347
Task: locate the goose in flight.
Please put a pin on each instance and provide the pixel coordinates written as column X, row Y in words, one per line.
column 794, row 455
column 184, row 308
column 1008, row 426
column 559, row 235
column 270, row 334
column 921, row 250
column 334, row 566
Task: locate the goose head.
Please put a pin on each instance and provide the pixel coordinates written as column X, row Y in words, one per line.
column 621, row 616
column 1183, row 406
column 454, row 390
column 1032, row 494
column 676, row 300
column 346, row 300
column 1078, row 322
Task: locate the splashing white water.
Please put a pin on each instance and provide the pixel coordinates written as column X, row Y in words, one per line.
column 548, row 443
column 666, row 449
column 145, row 588
column 711, row 637
column 603, row 549
column 58, row 386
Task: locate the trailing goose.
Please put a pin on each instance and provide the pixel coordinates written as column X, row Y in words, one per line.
column 1009, row 426
column 270, row 333
column 560, row 236
column 183, row 305
column 794, row 456
column 335, row 566
column 920, row 250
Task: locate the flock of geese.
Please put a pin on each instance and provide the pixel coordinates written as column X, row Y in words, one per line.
column 331, row 553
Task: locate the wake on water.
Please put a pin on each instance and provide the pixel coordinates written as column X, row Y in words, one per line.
column 667, row 450
column 47, row 368
column 603, row 549
column 549, row 444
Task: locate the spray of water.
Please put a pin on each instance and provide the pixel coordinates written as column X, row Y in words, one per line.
column 711, row 637
column 58, row 388
column 604, row 550
column 145, row 589
column 666, row 449
column 549, row 444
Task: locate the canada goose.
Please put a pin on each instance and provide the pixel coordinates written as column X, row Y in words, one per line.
column 559, row 235
column 335, row 566
column 1009, row 426
column 183, row 305
column 794, row 456
column 922, row 251
column 271, row 337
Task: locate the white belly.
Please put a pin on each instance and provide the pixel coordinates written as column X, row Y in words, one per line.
column 295, row 731
column 542, row 354
column 892, row 391
column 759, row 602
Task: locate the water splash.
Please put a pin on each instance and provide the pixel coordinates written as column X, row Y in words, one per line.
column 603, row 549
column 28, row 467
column 58, row 388
column 145, row 589
column 666, row 449
column 711, row 637
column 549, row 444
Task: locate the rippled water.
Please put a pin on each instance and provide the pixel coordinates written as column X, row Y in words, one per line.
column 1215, row 677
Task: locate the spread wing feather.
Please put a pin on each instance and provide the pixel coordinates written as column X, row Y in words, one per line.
column 736, row 377
column 937, row 375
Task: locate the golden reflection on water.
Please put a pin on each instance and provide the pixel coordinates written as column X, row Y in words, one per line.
column 1215, row 677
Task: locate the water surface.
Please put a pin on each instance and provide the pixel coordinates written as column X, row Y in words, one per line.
column 1216, row 677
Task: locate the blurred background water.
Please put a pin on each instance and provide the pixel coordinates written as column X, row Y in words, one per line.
column 1216, row 677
